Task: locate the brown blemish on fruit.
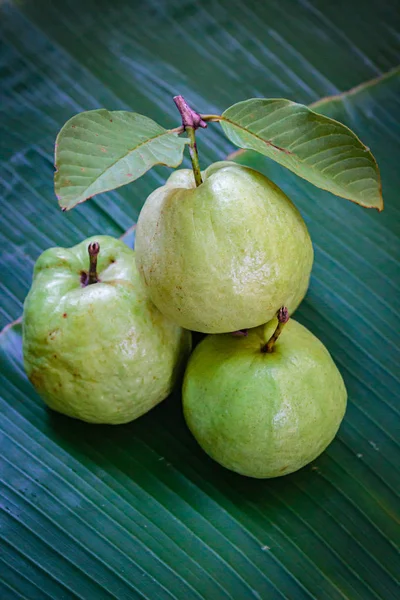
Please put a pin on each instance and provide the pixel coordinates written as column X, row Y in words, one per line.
column 53, row 334
column 121, row 282
column 65, row 315
column 284, row 468
column 144, row 276
column 103, row 149
column 36, row 379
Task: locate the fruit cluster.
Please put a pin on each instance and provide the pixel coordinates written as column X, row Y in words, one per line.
column 224, row 252
column 106, row 330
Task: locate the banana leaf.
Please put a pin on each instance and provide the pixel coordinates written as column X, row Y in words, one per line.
column 139, row 511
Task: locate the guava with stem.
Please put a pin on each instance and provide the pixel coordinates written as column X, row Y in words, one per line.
column 95, row 347
column 264, row 404
column 221, row 250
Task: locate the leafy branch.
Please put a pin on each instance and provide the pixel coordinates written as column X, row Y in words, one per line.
column 98, row 151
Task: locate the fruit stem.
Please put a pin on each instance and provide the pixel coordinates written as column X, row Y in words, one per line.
column 93, row 250
column 283, row 318
column 191, row 120
column 194, row 156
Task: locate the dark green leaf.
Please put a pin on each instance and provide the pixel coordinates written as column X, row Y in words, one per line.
column 99, row 150
column 139, row 511
column 317, row 148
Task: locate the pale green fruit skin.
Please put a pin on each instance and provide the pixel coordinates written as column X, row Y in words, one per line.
column 223, row 256
column 101, row 353
column 263, row 415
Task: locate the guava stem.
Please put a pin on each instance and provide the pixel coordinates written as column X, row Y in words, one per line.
column 283, row 318
column 194, row 156
column 191, row 120
column 93, row 250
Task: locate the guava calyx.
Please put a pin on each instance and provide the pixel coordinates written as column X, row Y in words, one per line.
column 190, row 118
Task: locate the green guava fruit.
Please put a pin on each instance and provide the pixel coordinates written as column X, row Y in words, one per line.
column 223, row 256
column 95, row 347
column 263, row 413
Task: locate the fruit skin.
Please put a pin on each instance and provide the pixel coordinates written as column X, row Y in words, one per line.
column 223, row 256
column 263, row 414
column 101, row 353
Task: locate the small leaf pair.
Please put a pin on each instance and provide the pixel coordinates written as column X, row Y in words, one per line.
column 99, row 150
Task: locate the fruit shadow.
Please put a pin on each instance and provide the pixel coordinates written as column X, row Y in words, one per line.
column 158, row 454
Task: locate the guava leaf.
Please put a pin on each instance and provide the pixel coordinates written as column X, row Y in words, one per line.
column 98, row 150
column 315, row 147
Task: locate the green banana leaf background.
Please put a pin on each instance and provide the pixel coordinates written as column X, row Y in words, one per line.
column 139, row 511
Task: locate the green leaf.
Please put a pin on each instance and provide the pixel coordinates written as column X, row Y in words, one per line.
column 315, row 147
column 140, row 512
column 99, row 150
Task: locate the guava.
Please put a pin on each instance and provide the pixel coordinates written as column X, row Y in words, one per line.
column 263, row 409
column 95, row 347
column 225, row 255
